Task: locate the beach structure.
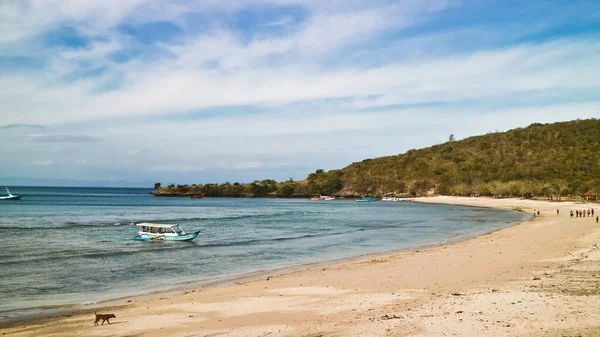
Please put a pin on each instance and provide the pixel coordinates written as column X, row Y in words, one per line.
column 590, row 196
column 163, row 232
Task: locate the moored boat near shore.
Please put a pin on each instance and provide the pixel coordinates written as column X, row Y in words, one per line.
column 163, row 232
column 366, row 199
column 322, row 197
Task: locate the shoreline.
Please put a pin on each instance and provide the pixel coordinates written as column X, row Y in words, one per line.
column 321, row 283
column 71, row 308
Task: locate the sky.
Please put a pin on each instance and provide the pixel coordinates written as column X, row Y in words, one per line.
column 142, row 91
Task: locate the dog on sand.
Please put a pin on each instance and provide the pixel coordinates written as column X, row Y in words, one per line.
column 103, row 317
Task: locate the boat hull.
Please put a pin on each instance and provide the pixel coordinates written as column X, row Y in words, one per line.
column 12, row 197
column 186, row 237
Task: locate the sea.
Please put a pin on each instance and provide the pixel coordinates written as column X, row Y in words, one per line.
column 63, row 247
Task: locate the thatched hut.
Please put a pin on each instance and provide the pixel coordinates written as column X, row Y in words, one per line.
column 590, row 196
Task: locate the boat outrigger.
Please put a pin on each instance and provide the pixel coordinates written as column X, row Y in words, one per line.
column 9, row 196
column 163, row 232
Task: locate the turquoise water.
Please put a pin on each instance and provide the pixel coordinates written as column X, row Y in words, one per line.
column 75, row 245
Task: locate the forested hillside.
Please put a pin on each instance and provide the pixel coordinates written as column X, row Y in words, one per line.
column 553, row 159
column 548, row 160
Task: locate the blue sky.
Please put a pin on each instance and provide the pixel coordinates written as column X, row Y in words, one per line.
column 214, row 91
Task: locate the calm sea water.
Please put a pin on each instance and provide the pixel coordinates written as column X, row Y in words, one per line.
column 75, row 245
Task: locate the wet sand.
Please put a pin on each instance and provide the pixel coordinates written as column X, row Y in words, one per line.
column 539, row 278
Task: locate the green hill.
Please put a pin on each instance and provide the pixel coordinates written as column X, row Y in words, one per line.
column 551, row 160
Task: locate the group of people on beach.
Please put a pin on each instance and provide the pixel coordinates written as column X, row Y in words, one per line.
column 583, row 213
column 577, row 213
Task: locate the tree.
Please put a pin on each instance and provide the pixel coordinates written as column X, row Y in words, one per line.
column 287, row 189
column 157, row 186
column 561, row 187
column 256, row 189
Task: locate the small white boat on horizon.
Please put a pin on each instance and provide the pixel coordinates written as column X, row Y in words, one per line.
column 391, row 199
column 9, row 196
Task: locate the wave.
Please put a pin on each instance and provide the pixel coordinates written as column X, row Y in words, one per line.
column 388, row 225
column 471, row 219
column 71, row 254
column 172, row 246
column 231, row 217
column 71, row 224
column 94, row 224
column 67, row 225
column 175, row 246
column 260, row 241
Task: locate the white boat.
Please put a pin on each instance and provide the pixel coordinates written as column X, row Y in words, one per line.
column 163, row 232
column 390, row 199
column 322, row 197
column 9, row 196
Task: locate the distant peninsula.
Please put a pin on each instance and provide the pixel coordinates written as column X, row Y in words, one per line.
column 549, row 160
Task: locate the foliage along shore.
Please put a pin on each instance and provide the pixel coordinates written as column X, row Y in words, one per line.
column 549, row 160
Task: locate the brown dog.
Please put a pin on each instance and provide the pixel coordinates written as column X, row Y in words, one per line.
column 103, row 317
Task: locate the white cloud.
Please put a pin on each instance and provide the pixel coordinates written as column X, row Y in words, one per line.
column 43, row 163
column 170, row 87
column 319, row 87
column 315, row 124
column 281, row 22
column 24, row 19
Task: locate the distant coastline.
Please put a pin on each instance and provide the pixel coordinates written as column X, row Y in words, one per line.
column 550, row 161
column 178, row 193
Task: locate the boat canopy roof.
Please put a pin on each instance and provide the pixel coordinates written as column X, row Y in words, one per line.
column 158, row 225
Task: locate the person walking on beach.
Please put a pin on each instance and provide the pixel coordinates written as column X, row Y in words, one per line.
column 557, row 212
column 571, row 214
column 597, row 219
column 538, row 212
column 534, row 213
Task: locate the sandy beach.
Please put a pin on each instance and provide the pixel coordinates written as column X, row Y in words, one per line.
column 539, row 278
